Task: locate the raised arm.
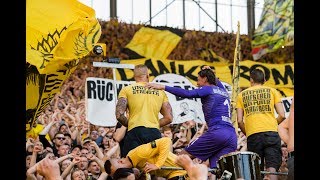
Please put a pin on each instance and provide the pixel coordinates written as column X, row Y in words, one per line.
column 110, row 152
column 100, row 162
column 119, row 134
column 67, row 171
column 121, row 108
column 49, row 169
column 60, row 159
column 94, row 145
column 283, row 129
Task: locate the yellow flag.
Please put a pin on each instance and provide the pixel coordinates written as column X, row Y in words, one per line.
column 153, row 43
column 276, row 28
column 58, row 34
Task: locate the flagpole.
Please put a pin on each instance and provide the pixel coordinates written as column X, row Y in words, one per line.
column 235, row 80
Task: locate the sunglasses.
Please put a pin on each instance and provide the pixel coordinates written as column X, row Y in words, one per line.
column 61, row 138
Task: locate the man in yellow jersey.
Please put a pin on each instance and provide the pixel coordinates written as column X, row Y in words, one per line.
column 256, row 119
column 144, row 106
column 149, row 158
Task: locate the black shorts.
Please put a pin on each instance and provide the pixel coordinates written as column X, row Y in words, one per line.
column 268, row 146
column 138, row 136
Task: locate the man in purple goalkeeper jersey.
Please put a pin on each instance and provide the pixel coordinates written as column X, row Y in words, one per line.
column 221, row 138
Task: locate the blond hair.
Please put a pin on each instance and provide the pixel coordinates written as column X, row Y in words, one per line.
column 140, row 70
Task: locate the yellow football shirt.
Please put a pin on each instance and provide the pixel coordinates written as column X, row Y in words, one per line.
column 144, row 105
column 160, row 156
column 258, row 105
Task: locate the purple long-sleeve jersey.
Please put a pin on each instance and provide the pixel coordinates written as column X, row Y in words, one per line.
column 215, row 102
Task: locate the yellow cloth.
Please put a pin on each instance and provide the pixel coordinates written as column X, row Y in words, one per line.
column 278, row 75
column 258, row 105
column 144, row 105
column 58, row 34
column 160, row 156
column 153, row 43
column 34, row 132
column 276, row 28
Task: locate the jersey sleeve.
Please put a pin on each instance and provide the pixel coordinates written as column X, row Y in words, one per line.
column 165, row 97
column 163, row 145
column 195, row 93
column 239, row 103
column 219, row 84
column 277, row 96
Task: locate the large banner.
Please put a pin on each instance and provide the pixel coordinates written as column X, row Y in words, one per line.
column 58, row 34
column 101, row 102
column 277, row 75
column 276, row 27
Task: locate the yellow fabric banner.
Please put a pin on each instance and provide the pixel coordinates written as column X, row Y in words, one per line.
column 153, row 43
column 276, row 28
column 277, row 75
column 59, row 33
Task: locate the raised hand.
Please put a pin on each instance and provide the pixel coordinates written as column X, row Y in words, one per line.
column 49, row 169
column 155, row 86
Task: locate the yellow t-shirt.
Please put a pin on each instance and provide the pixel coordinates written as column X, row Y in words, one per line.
column 144, row 105
column 258, row 105
column 160, row 156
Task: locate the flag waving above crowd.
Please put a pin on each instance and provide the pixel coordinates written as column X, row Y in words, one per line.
column 276, row 28
column 59, row 33
column 152, row 42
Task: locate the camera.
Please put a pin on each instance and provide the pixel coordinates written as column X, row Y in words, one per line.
column 100, row 49
column 112, row 60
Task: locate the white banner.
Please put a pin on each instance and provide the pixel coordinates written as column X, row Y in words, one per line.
column 101, row 103
column 183, row 109
column 100, row 100
column 286, row 105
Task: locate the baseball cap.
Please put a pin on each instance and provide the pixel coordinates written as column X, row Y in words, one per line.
column 85, row 140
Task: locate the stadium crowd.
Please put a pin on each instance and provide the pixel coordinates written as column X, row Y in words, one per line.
column 62, row 133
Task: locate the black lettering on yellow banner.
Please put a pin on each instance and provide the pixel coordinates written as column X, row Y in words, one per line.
column 40, row 90
column 277, row 75
column 54, row 46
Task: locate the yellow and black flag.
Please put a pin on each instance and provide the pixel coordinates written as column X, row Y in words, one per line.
column 276, row 28
column 153, row 42
column 58, row 34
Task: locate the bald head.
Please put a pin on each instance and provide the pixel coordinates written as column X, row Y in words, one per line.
column 141, row 73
